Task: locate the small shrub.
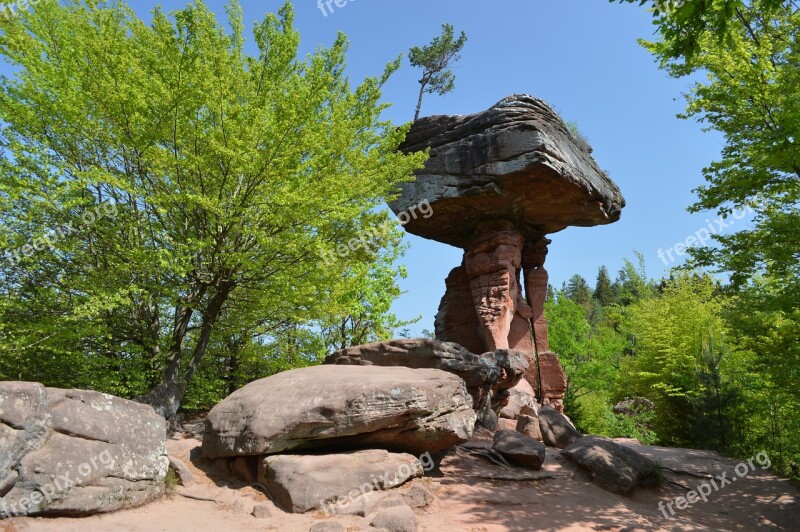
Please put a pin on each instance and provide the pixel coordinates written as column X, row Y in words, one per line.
column 171, row 482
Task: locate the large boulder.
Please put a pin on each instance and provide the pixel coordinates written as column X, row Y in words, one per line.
column 553, row 379
column 557, row 430
column 300, row 483
column 613, row 467
column 346, row 407
column 496, row 184
column 632, row 406
column 519, row 449
column 496, row 371
column 421, row 353
column 73, row 452
column 515, row 161
column 529, row 426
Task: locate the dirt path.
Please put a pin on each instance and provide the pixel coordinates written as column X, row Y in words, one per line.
column 467, row 501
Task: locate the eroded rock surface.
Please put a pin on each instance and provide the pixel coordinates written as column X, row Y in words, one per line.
column 74, row 452
column 519, row 449
column 394, row 408
column 496, row 183
column 515, row 161
column 490, row 372
column 521, row 402
column 557, row 430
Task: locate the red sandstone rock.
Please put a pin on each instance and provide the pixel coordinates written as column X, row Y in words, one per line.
column 457, row 320
column 492, row 262
column 485, row 309
column 536, row 279
column 554, row 382
column 497, row 182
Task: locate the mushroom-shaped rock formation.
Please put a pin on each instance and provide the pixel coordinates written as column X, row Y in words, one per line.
column 496, row 183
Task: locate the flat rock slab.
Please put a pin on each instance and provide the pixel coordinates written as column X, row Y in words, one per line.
column 515, row 161
column 613, row 467
column 495, row 370
column 300, row 483
column 74, row 452
column 342, row 407
column 423, row 353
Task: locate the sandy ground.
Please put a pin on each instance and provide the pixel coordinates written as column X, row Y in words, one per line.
column 466, row 500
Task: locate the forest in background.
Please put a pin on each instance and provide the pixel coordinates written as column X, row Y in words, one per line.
column 698, row 363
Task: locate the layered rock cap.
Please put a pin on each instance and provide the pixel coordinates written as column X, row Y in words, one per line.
column 516, row 161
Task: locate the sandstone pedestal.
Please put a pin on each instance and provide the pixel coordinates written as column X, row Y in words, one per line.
column 486, row 308
column 497, row 183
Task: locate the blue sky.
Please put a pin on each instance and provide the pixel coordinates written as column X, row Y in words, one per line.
column 580, row 56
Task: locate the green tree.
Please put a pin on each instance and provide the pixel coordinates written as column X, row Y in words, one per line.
column 435, row 59
column 590, row 353
column 671, row 334
column 632, row 284
column 747, row 55
column 231, row 177
column 712, row 406
column 604, row 291
column 686, row 24
column 577, row 289
column 749, row 94
column 367, row 316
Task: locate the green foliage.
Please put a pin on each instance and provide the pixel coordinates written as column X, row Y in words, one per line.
column 596, row 416
column 713, row 404
column 749, row 94
column 658, row 474
column 669, row 333
column 687, row 23
column 578, row 136
column 604, row 290
column 231, row 178
column 171, row 482
column 747, row 55
column 435, row 59
column 632, row 284
column 577, row 289
column 367, row 317
column 684, row 346
column 590, row 354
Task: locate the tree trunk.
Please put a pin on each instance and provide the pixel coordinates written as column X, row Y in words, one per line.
column 419, row 102
column 167, row 396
